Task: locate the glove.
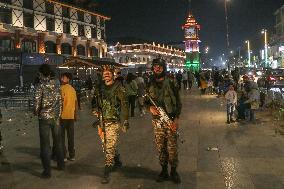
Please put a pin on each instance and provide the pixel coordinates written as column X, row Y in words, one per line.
column 125, row 126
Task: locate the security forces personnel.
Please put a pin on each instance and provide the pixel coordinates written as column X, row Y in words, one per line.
column 111, row 101
column 165, row 93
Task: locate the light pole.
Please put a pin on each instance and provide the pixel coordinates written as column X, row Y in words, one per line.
column 247, row 42
column 264, row 31
column 227, row 29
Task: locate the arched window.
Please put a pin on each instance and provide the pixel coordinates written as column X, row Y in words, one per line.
column 28, row 45
column 81, row 50
column 50, row 47
column 94, row 52
column 66, row 48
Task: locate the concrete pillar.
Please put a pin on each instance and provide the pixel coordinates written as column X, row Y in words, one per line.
column 74, row 46
column 40, row 42
column 17, row 39
column 88, row 50
column 58, row 44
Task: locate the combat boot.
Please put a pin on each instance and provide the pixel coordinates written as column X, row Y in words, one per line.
column 175, row 176
column 117, row 162
column 106, row 179
column 164, row 175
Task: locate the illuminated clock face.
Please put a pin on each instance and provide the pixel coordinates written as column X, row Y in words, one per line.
column 190, row 33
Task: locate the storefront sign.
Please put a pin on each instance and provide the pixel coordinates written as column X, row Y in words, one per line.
column 10, row 60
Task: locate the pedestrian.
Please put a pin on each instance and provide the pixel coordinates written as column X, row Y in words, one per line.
column 231, row 98
column 119, row 77
column 110, row 105
column 241, row 106
column 131, row 91
column 69, row 114
column 166, row 95
column 203, row 83
column 179, row 79
column 253, row 102
column 184, row 80
column 141, row 93
column 190, row 79
column 48, row 109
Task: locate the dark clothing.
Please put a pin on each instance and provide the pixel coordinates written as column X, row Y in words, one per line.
column 45, row 152
column 68, row 126
column 131, row 100
column 166, row 95
column 120, row 79
column 184, row 84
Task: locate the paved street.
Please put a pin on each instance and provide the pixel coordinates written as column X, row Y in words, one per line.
column 248, row 156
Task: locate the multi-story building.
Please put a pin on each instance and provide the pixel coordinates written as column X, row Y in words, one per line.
column 276, row 50
column 137, row 56
column 48, row 29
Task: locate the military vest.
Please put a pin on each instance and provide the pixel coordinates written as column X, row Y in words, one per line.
column 163, row 95
column 110, row 102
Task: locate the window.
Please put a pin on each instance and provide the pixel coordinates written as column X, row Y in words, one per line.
column 94, row 20
column 28, row 4
column 66, row 27
column 81, row 30
column 6, row 45
column 81, row 50
column 66, row 48
column 28, row 46
column 94, row 32
column 50, row 47
column 49, row 7
column 50, row 24
column 28, row 20
column 94, row 52
column 80, row 16
column 65, row 12
column 5, row 15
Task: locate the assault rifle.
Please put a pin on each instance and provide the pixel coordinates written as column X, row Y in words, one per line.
column 165, row 118
column 100, row 122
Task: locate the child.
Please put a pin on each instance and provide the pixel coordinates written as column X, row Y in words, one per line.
column 210, row 86
column 231, row 97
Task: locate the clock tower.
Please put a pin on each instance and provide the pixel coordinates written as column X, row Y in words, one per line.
column 191, row 35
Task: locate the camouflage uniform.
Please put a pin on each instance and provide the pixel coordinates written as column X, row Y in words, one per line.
column 113, row 102
column 166, row 95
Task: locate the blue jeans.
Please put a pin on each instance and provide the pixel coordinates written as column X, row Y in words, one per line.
column 230, row 111
column 45, row 151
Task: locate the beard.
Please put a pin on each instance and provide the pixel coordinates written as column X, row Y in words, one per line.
column 159, row 75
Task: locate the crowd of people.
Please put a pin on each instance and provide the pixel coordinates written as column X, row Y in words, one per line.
column 115, row 97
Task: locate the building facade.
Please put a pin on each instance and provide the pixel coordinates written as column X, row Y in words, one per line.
column 48, row 31
column 140, row 56
column 276, row 44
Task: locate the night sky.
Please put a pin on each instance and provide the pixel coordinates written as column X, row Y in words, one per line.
column 161, row 20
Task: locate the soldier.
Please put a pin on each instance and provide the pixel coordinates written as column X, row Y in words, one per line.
column 165, row 138
column 111, row 101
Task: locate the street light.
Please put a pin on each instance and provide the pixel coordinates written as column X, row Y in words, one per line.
column 247, row 41
column 227, row 28
column 264, row 31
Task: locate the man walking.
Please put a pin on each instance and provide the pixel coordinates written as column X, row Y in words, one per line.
column 111, row 102
column 69, row 114
column 165, row 93
column 48, row 109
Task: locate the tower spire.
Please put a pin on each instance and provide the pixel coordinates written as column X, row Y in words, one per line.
column 189, row 6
